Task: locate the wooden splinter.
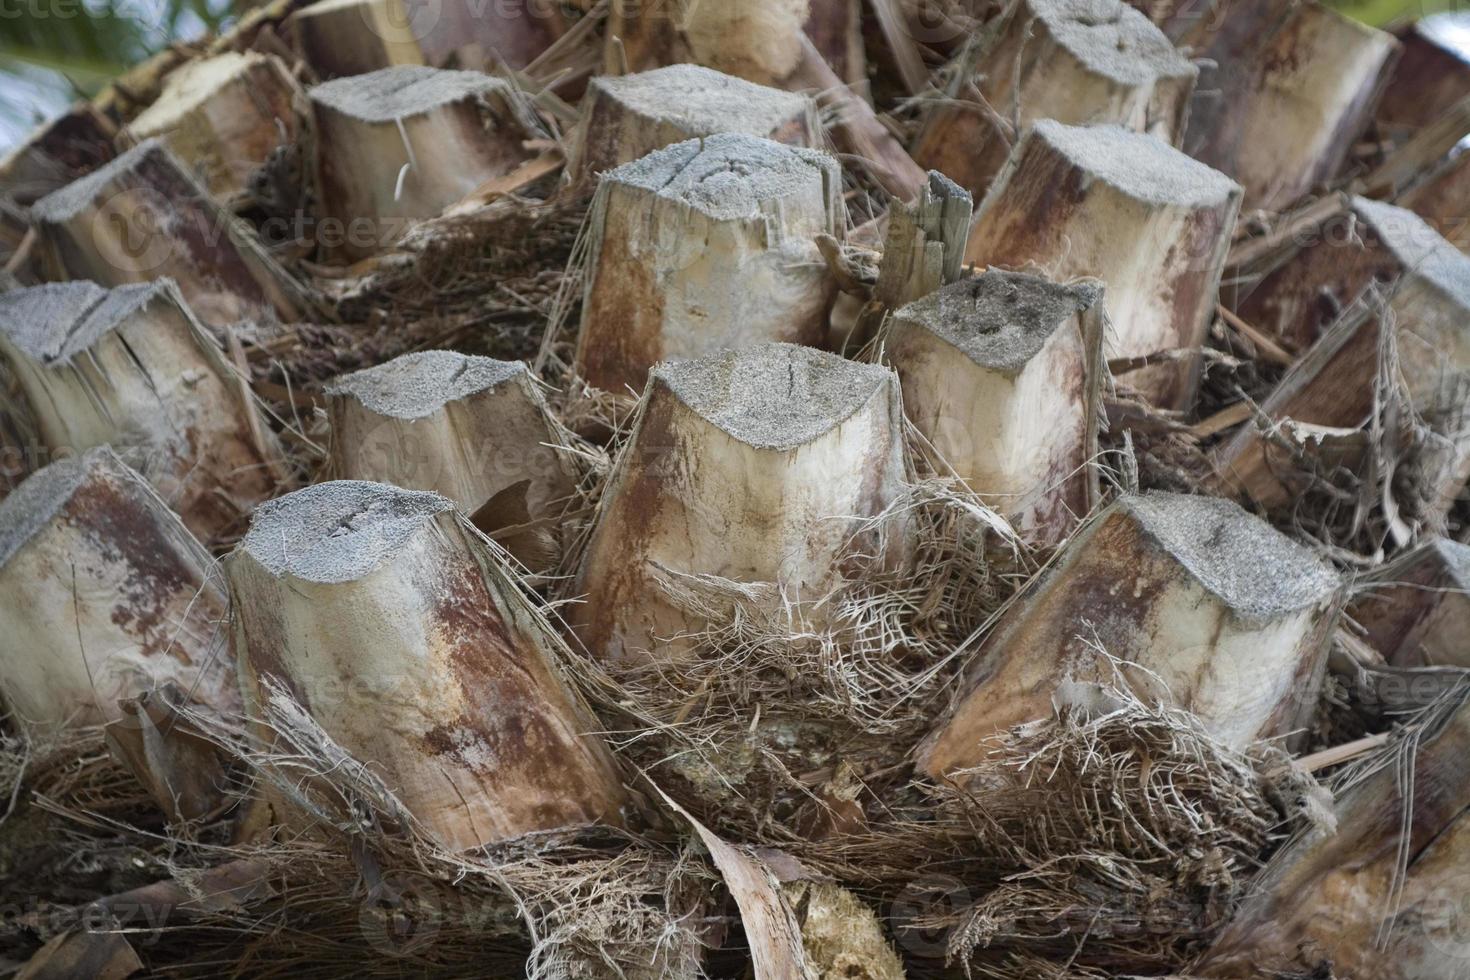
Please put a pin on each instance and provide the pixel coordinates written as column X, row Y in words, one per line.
column 131, row 367
column 398, row 631
column 401, row 144
column 1287, row 86
column 754, row 465
column 224, row 115
column 1073, row 61
column 625, row 117
column 1130, row 210
column 1201, row 605
column 142, row 217
column 474, row 429
column 704, row 245
column 104, row 595
column 999, row 373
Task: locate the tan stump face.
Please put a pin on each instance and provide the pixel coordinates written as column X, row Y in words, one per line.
column 994, row 376
column 706, row 245
column 1219, row 613
column 1148, row 221
column 103, row 595
column 142, row 217
column 396, row 631
column 131, row 368
column 752, row 465
column 401, row 144
column 627, row 117
column 1079, row 62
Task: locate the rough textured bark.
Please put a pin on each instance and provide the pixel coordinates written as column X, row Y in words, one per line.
column 753, row 465
column 225, row 116
column 1380, row 247
column 1202, row 604
column 403, row 143
column 402, row 635
column 142, row 217
column 1382, row 895
column 1442, row 199
column 67, row 147
column 704, row 245
column 1000, row 375
column 1122, row 206
column 104, row 595
column 1415, row 611
column 470, row 428
column 1431, row 75
column 131, row 368
column 1075, row 61
column 625, row 117
column 1291, row 87
column 354, row 37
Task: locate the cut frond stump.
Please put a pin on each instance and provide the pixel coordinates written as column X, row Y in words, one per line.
column 999, row 374
column 705, row 245
column 1432, row 74
column 104, row 595
column 474, row 429
column 1415, row 611
column 1383, row 895
column 1190, row 601
column 757, row 466
column 626, row 117
column 353, row 37
column 67, row 147
column 398, row 631
column 1442, row 198
column 142, row 217
column 1075, row 61
column 1132, row 211
column 1287, row 88
column 130, row 367
column 402, row 144
column 224, row 116
column 1323, row 302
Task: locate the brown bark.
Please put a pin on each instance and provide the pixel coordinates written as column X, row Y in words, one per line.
column 400, row 633
column 1442, row 198
column 1431, row 75
column 1073, row 61
column 1415, row 611
column 69, row 146
column 1199, row 604
column 104, row 595
column 1132, row 211
column 1000, row 375
column 143, row 217
column 704, row 245
column 753, row 465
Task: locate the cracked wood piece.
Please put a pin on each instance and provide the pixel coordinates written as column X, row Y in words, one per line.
column 1287, row 86
column 143, row 217
column 1203, row 605
column 104, row 595
column 56, row 153
column 402, row 144
column 1074, row 61
column 1375, row 246
column 402, row 635
column 704, row 245
column 130, row 367
column 1379, row 891
column 756, row 465
column 924, row 247
column 225, row 116
column 1130, row 210
column 1431, row 75
column 1415, row 611
column 470, row 428
column 625, row 117
column 338, row 38
column 995, row 374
